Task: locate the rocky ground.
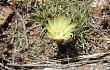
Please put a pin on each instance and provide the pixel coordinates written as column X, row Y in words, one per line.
column 23, row 44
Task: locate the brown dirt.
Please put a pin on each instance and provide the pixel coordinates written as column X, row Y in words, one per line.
column 40, row 49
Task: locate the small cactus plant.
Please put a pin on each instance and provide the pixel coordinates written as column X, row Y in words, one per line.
column 60, row 28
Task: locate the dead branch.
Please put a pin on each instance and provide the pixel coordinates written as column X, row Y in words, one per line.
column 80, row 63
column 97, row 55
column 7, row 68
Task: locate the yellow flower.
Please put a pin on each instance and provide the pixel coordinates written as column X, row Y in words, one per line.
column 60, row 28
column 2, row 21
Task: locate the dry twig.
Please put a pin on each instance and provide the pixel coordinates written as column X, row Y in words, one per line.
column 5, row 67
column 24, row 29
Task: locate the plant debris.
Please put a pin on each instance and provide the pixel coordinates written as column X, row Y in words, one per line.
column 24, row 44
